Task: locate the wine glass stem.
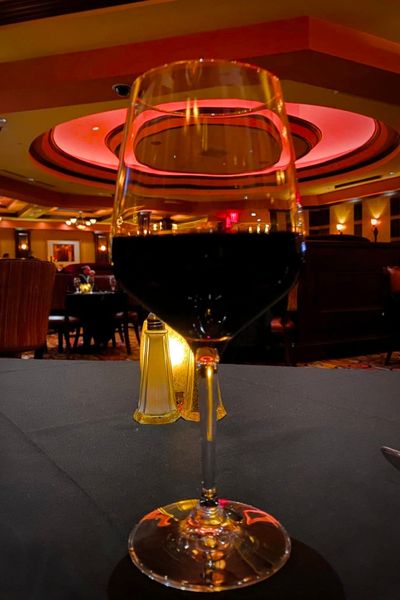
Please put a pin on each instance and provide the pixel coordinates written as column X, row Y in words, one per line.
column 206, row 365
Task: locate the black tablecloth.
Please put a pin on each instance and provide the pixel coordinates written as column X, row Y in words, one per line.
column 303, row 444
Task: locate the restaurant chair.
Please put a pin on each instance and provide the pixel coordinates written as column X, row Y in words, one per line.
column 122, row 326
column 26, row 288
column 392, row 309
column 122, row 319
column 59, row 320
column 102, row 283
column 133, row 316
column 283, row 326
column 137, row 314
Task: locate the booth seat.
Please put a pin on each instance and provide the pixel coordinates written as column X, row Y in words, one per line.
column 99, row 268
column 341, row 298
column 392, row 310
column 338, row 308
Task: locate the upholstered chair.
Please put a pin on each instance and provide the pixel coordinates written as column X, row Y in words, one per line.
column 392, row 310
column 59, row 320
column 26, row 287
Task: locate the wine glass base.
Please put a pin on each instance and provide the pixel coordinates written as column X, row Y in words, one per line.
column 246, row 547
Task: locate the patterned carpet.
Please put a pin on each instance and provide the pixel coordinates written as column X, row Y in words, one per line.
column 107, row 353
column 367, row 362
column 370, row 361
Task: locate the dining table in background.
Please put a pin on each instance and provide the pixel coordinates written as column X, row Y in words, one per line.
column 101, row 312
column 302, row 443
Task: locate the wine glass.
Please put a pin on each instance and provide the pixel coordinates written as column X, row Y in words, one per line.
column 113, row 283
column 207, row 234
column 91, row 282
column 77, row 284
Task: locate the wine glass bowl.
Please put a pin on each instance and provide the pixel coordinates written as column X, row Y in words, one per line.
column 207, row 149
column 207, row 234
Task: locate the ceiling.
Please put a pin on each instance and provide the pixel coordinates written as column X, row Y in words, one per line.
column 63, row 67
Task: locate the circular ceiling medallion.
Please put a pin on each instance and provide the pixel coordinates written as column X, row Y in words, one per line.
column 325, row 139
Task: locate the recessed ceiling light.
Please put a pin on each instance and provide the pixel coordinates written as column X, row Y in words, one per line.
column 31, row 179
column 95, row 128
column 392, row 173
column 122, row 89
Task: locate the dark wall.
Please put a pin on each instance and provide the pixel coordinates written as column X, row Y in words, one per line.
column 342, row 296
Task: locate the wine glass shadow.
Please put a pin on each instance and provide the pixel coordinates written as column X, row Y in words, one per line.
column 306, row 576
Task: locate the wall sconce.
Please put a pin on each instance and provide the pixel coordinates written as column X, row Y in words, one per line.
column 340, row 227
column 101, row 242
column 375, row 230
column 22, row 243
column 144, row 222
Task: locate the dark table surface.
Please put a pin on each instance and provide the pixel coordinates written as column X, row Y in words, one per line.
column 301, row 443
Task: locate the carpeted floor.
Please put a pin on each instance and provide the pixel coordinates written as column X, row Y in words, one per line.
column 367, row 362
column 108, row 353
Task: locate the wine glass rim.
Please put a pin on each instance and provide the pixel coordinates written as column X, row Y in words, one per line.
column 256, row 107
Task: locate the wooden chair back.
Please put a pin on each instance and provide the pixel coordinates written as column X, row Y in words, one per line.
column 26, row 288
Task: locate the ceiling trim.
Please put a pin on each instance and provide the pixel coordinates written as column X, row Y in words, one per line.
column 88, row 76
column 352, row 192
column 49, row 225
column 44, row 197
column 17, row 11
column 362, row 68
